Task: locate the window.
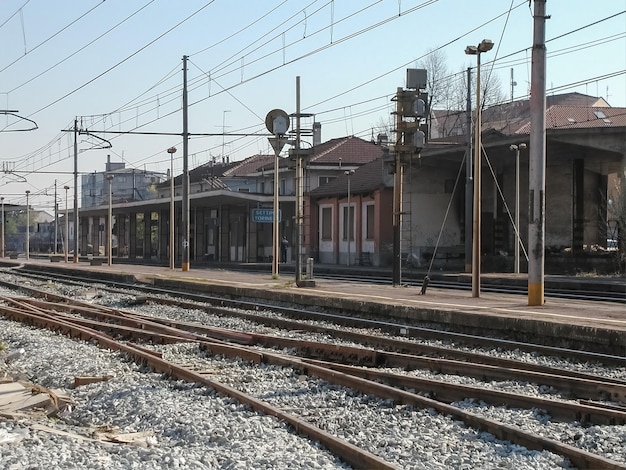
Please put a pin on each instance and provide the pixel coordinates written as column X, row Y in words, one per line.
column 283, row 187
column 369, row 222
column 327, row 223
column 322, row 180
column 348, row 223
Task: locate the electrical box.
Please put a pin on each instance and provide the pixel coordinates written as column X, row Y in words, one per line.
column 416, row 78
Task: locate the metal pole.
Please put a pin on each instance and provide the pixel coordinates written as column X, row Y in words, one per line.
column 537, row 160
column 67, row 225
column 517, row 240
column 275, row 239
column 2, row 241
column 348, row 221
column 477, row 190
column 185, row 261
column 56, row 218
column 468, row 178
column 76, row 231
column 27, row 227
column 397, row 193
column 110, row 223
column 299, row 190
column 171, row 151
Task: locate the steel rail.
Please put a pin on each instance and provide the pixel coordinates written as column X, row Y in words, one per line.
column 587, row 414
column 352, row 454
column 395, row 328
column 483, row 367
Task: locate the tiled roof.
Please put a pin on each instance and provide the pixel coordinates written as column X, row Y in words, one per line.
column 351, row 150
column 514, row 117
column 577, row 117
column 365, row 179
column 250, row 165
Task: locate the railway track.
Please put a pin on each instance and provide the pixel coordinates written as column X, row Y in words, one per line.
column 336, row 364
column 583, row 352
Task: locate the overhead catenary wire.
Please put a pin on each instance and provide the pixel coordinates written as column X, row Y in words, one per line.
column 227, row 88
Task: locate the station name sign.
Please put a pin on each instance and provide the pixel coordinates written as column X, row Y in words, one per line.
column 264, row 215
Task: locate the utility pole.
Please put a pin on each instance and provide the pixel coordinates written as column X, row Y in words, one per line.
column 185, row 205
column 299, row 189
column 469, row 179
column 56, row 218
column 76, row 231
column 397, row 195
column 537, row 159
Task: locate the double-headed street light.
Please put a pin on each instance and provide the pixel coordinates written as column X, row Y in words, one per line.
column 484, row 46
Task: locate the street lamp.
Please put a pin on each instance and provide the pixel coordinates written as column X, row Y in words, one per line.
column 348, row 221
column 67, row 225
column 2, row 241
column 27, row 226
column 484, row 46
column 517, row 148
column 171, row 151
column 110, row 222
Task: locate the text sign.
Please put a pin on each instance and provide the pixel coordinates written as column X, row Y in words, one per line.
column 264, row 215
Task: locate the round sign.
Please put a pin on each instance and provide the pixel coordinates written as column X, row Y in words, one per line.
column 277, row 121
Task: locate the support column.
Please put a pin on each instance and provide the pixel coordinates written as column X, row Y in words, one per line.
column 578, row 205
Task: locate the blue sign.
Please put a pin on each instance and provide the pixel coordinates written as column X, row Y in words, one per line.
column 264, row 215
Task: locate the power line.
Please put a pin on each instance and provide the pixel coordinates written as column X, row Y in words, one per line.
column 53, row 36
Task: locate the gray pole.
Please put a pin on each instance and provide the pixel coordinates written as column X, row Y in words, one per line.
column 275, row 234
column 27, row 226
column 185, row 261
column 397, row 194
column 76, row 191
column 517, row 240
column 299, row 189
column 2, row 200
column 468, row 177
column 348, row 221
column 477, row 190
column 537, row 160
column 171, row 151
column 56, row 218
column 110, row 223
column 67, row 225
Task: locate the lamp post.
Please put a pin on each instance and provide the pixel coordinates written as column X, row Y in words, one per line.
column 110, row 222
column 517, row 148
column 171, row 151
column 348, row 221
column 27, row 226
column 67, row 225
column 2, row 241
column 484, row 46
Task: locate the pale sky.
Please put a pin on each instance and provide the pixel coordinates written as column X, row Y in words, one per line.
column 116, row 65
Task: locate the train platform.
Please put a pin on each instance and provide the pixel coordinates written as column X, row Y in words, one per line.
column 600, row 321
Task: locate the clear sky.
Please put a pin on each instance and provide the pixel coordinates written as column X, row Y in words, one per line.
column 116, row 65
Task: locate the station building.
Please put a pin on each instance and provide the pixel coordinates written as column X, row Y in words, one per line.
column 348, row 195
